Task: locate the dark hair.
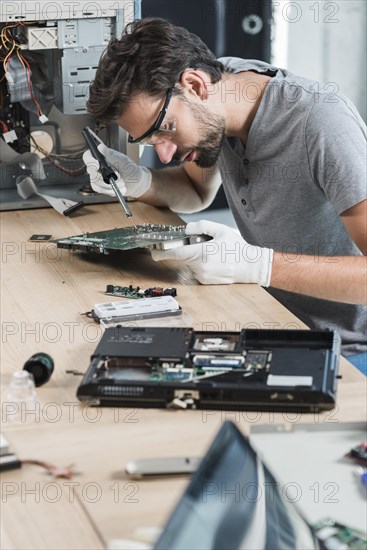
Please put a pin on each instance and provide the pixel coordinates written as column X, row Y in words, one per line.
column 150, row 57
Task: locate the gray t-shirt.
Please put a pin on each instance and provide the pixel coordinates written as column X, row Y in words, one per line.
column 304, row 164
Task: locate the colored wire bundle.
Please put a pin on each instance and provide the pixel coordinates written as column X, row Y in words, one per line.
column 10, row 47
column 57, row 159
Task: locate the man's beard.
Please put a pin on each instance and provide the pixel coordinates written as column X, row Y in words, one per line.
column 209, row 147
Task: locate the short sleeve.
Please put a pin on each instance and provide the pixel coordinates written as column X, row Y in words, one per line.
column 336, row 147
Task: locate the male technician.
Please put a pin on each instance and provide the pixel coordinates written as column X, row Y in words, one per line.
column 291, row 158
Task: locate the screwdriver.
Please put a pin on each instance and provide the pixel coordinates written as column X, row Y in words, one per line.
column 108, row 174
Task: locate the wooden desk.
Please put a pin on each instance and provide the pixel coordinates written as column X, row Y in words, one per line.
column 44, row 290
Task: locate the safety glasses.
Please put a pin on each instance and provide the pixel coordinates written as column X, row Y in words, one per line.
column 157, row 126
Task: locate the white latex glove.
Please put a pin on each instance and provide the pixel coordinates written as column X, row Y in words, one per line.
column 227, row 258
column 133, row 180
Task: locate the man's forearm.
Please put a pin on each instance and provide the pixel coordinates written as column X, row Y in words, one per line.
column 339, row 278
column 172, row 187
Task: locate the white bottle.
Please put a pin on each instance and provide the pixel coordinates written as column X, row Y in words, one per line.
column 21, row 398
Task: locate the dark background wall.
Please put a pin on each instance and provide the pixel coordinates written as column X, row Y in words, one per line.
column 239, row 28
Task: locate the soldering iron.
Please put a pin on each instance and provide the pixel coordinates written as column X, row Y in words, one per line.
column 108, row 174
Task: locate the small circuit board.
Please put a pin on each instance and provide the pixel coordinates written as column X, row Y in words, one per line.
column 135, row 292
column 337, row 536
column 145, row 235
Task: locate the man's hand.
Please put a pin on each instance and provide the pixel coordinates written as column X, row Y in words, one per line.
column 227, row 258
column 133, row 180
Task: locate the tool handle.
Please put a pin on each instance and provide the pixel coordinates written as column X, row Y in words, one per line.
column 105, row 169
column 108, row 174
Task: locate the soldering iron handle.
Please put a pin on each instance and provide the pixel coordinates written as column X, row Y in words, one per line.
column 108, row 174
column 105, row 168
column 91, row 143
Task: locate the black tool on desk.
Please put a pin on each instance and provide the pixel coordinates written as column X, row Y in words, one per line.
column 359, row 453
column 41, row 366
column 108, row 174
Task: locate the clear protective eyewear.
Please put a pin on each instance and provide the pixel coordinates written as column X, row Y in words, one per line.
column 160, row 128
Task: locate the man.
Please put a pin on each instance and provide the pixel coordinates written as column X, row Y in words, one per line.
column 291, row 158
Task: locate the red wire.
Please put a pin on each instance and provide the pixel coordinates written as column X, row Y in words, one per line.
column 5, row 128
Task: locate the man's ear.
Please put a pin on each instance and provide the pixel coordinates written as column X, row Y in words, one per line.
column 193, row 82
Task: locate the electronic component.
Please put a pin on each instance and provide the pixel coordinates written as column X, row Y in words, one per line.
column 73, row 208
column 13, row 122
column 136, row 469
column 214, row 362
column 134, row 292
column 40, row 238
column 337, row 536
column 123, row 238
column 160, row 306
column 256, row 360
column 181, row 367
column 11, row 461
column 222, row 342
column 145, row 235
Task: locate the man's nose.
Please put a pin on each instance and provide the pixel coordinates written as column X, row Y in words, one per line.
column 165, row 150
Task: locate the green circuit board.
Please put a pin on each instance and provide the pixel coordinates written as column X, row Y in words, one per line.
column 135, row 292
column 125, row 238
